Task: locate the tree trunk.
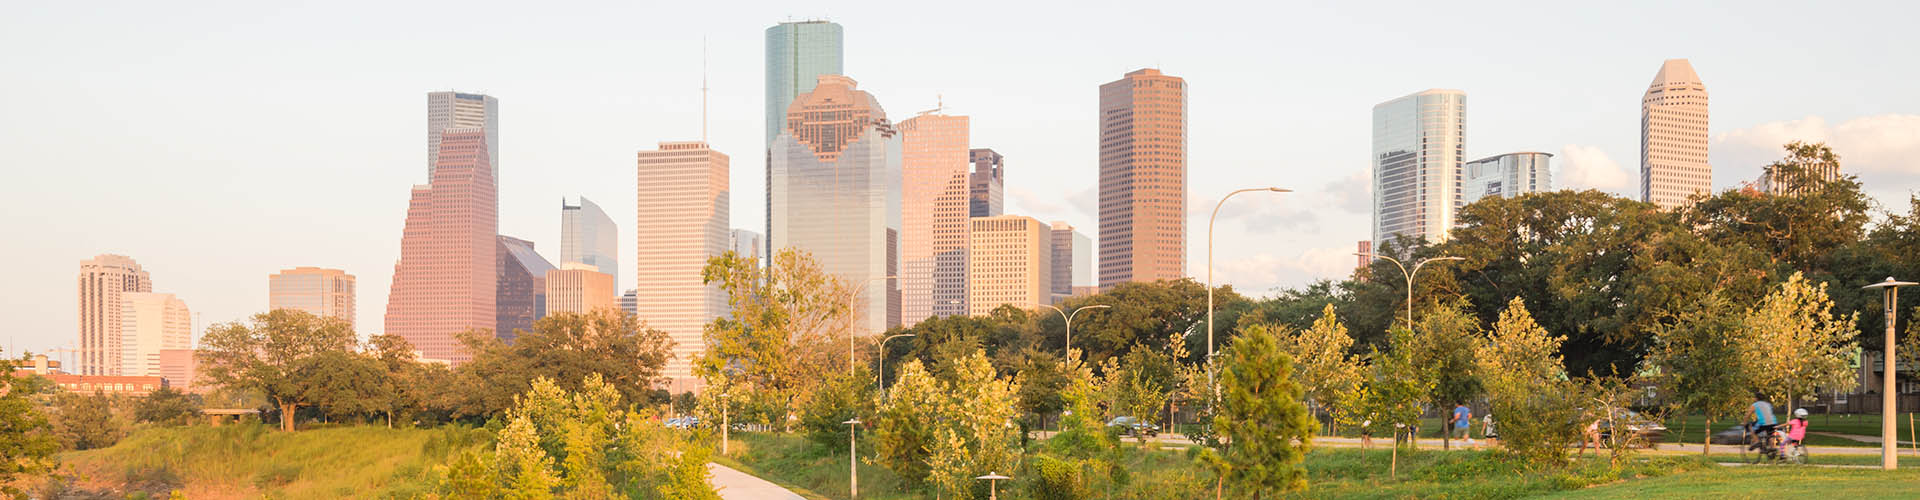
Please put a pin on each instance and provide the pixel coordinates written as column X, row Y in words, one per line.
column 1707, row 444
column 286, row 414
column 1393, row 466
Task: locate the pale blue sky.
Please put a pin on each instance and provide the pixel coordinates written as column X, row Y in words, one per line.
column 217, row 142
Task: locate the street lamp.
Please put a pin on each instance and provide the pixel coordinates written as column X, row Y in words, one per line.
column 993, row 484
column 853, row 459
column 1210, row 219
column 1408, row 275
column 850, row 334
column 882, row 379
column 1887, row 400
column 1069, row 318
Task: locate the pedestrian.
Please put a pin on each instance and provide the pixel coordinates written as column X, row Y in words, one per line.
column 1493, row 437
column 1462, row 421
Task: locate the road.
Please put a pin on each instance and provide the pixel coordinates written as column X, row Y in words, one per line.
column 736, row 485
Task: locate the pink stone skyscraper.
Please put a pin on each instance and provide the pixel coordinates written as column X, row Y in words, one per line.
column 444, row 282
column 1143, row 178
column 934, row 201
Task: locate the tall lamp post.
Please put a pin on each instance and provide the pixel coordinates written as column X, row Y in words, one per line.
column 1210, row 219
column 850, row 335
column 1409, row 275
column 853, row 459
column 882, row 379
column 1888, row 444
column 1069, row 318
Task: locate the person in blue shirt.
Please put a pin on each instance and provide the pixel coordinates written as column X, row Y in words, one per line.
column 1763, row 421
column 1462, row 419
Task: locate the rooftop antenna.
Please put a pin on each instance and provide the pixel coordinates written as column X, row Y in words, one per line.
column 939, row 104
column 703, row 89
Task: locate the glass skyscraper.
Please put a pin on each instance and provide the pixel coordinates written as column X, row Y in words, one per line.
column 588, row 236
column 1419, row 143
column 797, row 54
column 1508, row 175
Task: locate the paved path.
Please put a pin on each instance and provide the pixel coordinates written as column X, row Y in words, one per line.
column 1435, row 444
column 736, row 485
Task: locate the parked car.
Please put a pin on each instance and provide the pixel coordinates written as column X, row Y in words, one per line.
column 1135, row 426
column 683, row 422
column 1651, row 431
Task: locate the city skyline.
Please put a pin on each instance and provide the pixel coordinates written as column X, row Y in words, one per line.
column 1754, row 111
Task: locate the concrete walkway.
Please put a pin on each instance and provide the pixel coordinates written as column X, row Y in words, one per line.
column 736, row 485
column 1435, row 444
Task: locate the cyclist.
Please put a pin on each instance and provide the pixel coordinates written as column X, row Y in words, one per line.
column 1797, row 428
column 1763, row 421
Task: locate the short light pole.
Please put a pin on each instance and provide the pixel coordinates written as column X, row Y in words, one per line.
column 1210, row 220
column 882, row 379
column 1069, row 318
column 851, row 336
column 1888, row 444
column 1408, row 275
column 726, row 400
column 993, row 484
column 853, row 459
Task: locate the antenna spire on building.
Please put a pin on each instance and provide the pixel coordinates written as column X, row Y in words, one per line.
column 703, row 89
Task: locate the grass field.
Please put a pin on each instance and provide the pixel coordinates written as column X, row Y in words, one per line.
column 1763, row 482
column 255, row 461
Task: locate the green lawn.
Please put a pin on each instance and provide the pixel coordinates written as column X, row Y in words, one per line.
column 1763, row 482
column 254, row 461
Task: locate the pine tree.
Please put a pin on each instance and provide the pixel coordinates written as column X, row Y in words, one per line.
column 1268, row 430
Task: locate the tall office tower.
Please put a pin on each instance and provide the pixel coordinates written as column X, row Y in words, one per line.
column 520, row 288
column 1072, row 260
column 683, row 213
column 748, row 244
column 318, row 291
column 1778, row 182
column 445, row 280
column 797, row 54
column 579, row 288
column 151, row 322
column 456, row 110
column 630, row 302
column 104, row 279
column 1143, row 178
column 836, row 194
column 1508, row 175
column 1419, row 142
column 986, row 196
column 1011, row 261
column 934, row 207
column 181, row 370
column 588, row 236
column 1673, row 137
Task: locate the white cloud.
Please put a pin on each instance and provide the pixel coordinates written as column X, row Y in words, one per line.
column 1353, row 193
column 1587, row 167
column 1260, row 273
column 1884, row 150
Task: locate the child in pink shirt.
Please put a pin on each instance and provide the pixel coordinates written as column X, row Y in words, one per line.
column 1797, row 428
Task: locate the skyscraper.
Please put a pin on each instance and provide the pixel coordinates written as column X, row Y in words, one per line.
column 988, row 181
column 520, row 292
column 318, row 291
column 104, row 280
column 580, row 289
column 149, row 323
column 1011, row 262
column 630, row 301
column 1143, row 178
column 588, row 236
column 933, row 216
column 748, row 244
column 835, row 194
column 1419, row 143
column 445, row 280
column 797, row 54
column 457, row 110
column 1072, row 260
column 1508, row 175
column 1673, row 136
column 683, row 212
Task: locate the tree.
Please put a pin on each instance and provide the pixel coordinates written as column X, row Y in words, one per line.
column 567, row 348
column 85, row 422
column 1268, row 429
column 1796, row 343
column 27, row 441
column 1702, row 363
column 409, row 387
column 266, row 354
column 343, row 384
column 789, row 320
column 1324, row 362
column 841, row 398
column 908, row 421
column 166, row 406
column 1443, row 348
column 1527, row 384
column 1140, row 384
column 1394, row 389
column 1802, row 223
column 944, row 431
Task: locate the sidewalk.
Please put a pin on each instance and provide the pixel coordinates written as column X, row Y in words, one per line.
column 736, row 485
column 1435, row 444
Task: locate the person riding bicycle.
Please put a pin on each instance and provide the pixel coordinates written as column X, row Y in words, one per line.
column 1797, row 428
column 1763, row 421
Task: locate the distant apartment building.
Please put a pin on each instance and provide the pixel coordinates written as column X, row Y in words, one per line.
column 1010, row 260
column 1507, row 175
column 104, row 280
column 451, row 110
column 318, row 291
column 986, row 195
column 579, row 288
column 1143, row 178
column 835, row 193
column 1793, row 182
column 588, row 236
column 520, row 289
column 630, row 302
column 149, row 323
column 683, row 210
column 1419, row 145
column 1673, row 136
column 934, row 207
column 446, row 280
column 1072, row 255
column 181, row 370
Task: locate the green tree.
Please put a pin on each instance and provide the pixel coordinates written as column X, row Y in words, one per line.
column 166, row 406
column 1268, row 429
column 1140, row 383
column 908, row 422
column 1702, row 363
column 566, row 348
column 27, row 441
column 1527, row 384
column 343, row 384
column 408, row 388
column 1324, row 362
column 1443, row 348
column 266, row 355
column 843, row 397
column 791, row 320
column 85, row 422
column 1803, row 224
column 1394, row 389
column 1798, row 344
